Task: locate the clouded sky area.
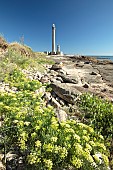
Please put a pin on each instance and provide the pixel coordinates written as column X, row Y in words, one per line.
column 82, row 26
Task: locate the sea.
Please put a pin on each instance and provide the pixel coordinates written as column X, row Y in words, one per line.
column 104, row 57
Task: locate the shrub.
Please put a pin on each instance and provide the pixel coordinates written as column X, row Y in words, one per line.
column 98, row 112
column 17, row 79
column 43, row 142
column 99, row 115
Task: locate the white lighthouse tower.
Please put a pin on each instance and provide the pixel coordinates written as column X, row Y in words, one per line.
column 53, row 39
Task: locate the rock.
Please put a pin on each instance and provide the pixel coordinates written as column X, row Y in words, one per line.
column 15, row 89
column 48, row 66
column 41, row 90
column 53, row 80
column 61, row 115
column 10, row 156
column 2, row 167
column 61, row 71
column 57, row 66
column 103, row 90
column 47, row 96
column 74, row 118
column 67, row 93
column 68, row 78
column 93, row 73
column 80, row 64
column 88, row 66
column 30, row 77
column 92, row 78
column 62, row 102
column 1, row 155
column 85, row 85
column 55, row 103
column 44, row 79
column 87, row 62
column 2, row 89
column 53, row 73
column 59, row 79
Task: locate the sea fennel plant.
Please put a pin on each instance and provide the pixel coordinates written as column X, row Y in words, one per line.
column 43, row 143
column 99, row 114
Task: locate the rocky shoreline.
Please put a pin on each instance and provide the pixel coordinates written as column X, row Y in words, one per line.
column 69, row 77
column 86, row 74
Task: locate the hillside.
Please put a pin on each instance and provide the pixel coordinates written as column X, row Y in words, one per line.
column 47, row 120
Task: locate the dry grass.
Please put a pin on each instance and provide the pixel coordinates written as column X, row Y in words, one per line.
column 22, row 49
column 3, row 43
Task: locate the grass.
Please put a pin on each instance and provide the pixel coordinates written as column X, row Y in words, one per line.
column 21, row 56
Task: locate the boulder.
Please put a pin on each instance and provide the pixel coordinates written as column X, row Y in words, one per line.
column 2, row 167
column 44, row 79
column 53, row 73
column 41, row 90
column 62, row 71
column 47, row 96
column 68, row 78
column 61, row 115
column 55, row 103
column 93, row 73
column 66, row 92
column 57, row 66
column 85, row 85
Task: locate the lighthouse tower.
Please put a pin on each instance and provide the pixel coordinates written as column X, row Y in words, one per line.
column 53, row 39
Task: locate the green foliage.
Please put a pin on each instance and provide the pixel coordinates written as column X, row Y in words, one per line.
column 99, row 113
column 43, row 60
column 16, row 57
column 17, row 79
column 43, row 142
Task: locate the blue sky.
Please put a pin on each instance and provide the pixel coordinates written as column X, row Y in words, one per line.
column 82, row 26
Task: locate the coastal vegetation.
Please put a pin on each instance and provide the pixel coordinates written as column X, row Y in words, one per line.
column 30, row 129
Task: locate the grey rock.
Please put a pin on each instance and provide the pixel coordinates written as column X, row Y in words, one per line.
column 44, row 79
column 10, row 156
column 59, row 79
column 93, row 73
column 47, row 96
column 41, row 90
column 62, row 102
column 87, row 62
column 87, row 66
column 61, row 115
column 14, row 89
column 80, row 64
column 103, row 90
column 55, row 103
column 67, row 93
column 57, row 66
column 61, row 71
column 68, row 78
column 7, row 84
column 86, row 85
column 2, row 167
column 2, row 89
column 53, row 80
column 53, row 73
column 30, row 77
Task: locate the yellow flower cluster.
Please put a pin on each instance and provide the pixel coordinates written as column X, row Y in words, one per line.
column 76, row 162
column 38, row 143
column 48, row 164
column 33, row 158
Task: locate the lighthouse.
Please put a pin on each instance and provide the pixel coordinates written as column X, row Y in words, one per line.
column 53, row 39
